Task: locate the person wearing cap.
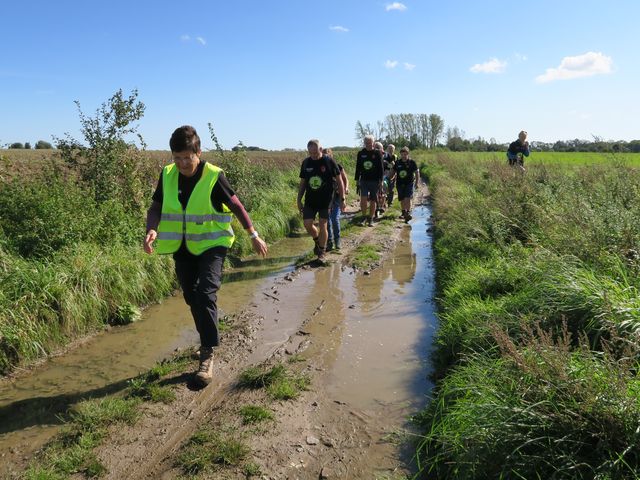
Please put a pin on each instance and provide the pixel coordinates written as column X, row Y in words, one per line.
column 190, row 217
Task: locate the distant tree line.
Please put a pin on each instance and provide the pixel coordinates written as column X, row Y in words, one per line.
column 40, row 145
column 428, row 131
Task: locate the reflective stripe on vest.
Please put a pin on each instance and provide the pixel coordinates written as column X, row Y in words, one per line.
column 200, row 225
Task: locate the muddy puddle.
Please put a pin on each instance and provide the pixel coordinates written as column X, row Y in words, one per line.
column 31, row 403
column 371, row 335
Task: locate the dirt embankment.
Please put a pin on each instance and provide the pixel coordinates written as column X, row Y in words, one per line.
column 310, row 436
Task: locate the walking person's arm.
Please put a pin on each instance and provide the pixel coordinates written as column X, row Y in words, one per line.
column 237, row 208
column 301, row 188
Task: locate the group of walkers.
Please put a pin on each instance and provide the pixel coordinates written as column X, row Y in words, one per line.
column 192, row 206
column 324, row 186
column 191, row 212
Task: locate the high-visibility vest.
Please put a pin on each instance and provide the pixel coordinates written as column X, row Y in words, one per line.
column 200, row 224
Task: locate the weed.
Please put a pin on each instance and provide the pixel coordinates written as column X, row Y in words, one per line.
column 255, row 414
column 208, row 449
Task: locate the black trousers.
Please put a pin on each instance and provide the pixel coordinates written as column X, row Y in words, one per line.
column 200, row 277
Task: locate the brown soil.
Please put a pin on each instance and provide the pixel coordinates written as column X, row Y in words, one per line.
column 313, row 436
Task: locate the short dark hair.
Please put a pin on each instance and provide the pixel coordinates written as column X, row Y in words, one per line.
column 185, row 138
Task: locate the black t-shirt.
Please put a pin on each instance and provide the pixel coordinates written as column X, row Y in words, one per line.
column 221, row 193
column 405, row 171
column 388, row 161
column 319, row 175
column 369, row 165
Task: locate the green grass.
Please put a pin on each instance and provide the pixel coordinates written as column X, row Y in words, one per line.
column 537, row 350
column 251, row 414
column 365, row 255
column 280, row 383
column 211, row 449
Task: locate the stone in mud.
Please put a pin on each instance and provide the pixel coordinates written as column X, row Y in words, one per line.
column 311, row 440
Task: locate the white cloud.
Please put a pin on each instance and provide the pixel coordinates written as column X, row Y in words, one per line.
column 201, row 40
column 391, row 64
column 409, row 66
column 401, row 7
column 586, row 65
column 338, row 28
column 185, row 38
column 493, row 65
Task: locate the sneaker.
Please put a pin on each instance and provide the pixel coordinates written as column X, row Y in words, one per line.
column 321, row 256
column 402, row 215
column 364, row 222
column 205, row 371
column 370, row 222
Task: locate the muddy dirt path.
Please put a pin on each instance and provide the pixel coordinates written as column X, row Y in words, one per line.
column 362, row 338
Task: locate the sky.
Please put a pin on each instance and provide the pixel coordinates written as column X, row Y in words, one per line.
column 274, row 74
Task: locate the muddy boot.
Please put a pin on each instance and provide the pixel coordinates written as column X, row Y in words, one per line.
column 403, row 214
column 337, row 244
column 205, row 371
column 322, row 256
column 329, row 246
column 407, row 217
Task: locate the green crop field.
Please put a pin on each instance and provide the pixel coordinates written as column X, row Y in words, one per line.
column 537, row 158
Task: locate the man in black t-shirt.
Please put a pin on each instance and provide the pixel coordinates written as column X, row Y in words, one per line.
column 406, row 177
column 318, row 173
column 368, row 176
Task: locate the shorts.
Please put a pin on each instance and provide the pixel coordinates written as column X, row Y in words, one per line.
column 310, row 212
column 405, row 190
column 369, row 188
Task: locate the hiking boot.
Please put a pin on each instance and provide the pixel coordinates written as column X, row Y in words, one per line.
column 402, row 215
column 205, row 371
column 329, row 246
column 407, row 217
column 316, row 247
column 337, row 247
column 370, row 222
column 322, row 256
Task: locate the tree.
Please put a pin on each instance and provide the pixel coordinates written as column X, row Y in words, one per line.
column 42, row 145
column 27, row 146
column 108, row 162
column 16, row 145
column 436, row 127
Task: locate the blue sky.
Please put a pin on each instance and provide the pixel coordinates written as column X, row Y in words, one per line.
column 274, row 74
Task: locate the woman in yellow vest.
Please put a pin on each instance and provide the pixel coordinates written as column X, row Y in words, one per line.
column 190, row 217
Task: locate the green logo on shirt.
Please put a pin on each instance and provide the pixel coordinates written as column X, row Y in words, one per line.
column 368, row 165
column 315, row 182
column 403, row 173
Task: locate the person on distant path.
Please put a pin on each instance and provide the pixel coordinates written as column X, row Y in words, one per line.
column 318, row 173
column 333, row 226
column 369, row 174
column 190, row 217
column 406, row 177
column 388, row 162
column 518, row 150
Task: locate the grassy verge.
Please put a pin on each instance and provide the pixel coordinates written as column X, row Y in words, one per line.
column 537, row 352
column 69, row 266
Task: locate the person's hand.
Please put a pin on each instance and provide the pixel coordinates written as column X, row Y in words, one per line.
column 343, row 206
column 259, row 246
column 148, row 241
